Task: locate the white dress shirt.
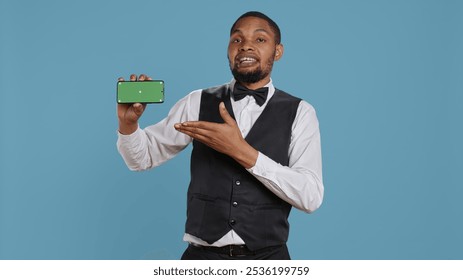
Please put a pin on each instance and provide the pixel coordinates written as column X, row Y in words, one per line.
column 300, row 183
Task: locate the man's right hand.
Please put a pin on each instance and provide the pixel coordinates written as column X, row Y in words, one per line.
column 129, row 114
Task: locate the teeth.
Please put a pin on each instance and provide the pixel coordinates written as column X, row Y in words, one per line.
column 247, row 59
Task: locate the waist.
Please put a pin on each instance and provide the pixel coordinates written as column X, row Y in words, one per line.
column 233, row 250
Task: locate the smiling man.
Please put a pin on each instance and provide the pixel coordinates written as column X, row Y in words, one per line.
column 256, row 151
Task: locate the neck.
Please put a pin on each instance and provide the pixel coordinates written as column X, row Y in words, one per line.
column 256, row 85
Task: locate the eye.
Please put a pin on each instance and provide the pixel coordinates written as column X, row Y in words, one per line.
column 235, row 40
column 261, row 40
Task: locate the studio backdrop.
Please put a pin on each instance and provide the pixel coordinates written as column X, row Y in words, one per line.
column 385, row 77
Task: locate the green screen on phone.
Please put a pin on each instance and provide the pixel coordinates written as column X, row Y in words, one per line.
column 140, row 92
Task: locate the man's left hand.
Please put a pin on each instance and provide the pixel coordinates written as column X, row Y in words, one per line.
column 224, row 137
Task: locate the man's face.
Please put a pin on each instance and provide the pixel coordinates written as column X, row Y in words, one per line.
column 252, row 51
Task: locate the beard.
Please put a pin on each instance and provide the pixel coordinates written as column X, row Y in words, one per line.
column 249, row 77
column 253, row 76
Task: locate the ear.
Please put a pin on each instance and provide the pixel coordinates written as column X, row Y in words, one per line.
column 279, row 49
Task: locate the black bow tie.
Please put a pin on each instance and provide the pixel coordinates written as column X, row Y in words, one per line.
column 259, row 94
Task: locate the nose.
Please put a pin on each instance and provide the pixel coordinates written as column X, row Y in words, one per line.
column 246, row 46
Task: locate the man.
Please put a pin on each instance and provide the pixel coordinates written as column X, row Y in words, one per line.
column 256, row 151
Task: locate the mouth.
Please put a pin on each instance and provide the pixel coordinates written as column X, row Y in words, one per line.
column 246, row 60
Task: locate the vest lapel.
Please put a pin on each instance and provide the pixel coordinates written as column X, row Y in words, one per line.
column 227, row 101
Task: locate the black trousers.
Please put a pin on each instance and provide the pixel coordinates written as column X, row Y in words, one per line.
column 273, row 253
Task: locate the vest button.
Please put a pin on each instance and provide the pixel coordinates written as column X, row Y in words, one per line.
column 235, row 203
column 232, row 222
column 238, row 182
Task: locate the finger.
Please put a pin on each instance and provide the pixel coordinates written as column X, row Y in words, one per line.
column 225, row 115
column 191, row 129
column 133, row 77
column 148, row 78
column 120, row 79
column 194, row 132
column 201, row 125
column 121, row 109
column 142, row 77
column 178, row 127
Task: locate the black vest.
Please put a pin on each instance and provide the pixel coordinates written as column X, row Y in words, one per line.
column 223, row 195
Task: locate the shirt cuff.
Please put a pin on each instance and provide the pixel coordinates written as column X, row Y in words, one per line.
column 128, row 138
column 262, row 166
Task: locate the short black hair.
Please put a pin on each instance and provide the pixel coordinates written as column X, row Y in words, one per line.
column 270, row 22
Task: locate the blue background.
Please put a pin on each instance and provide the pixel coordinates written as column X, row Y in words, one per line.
column 386, row 78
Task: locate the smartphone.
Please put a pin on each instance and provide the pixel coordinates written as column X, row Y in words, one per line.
column 140, row 92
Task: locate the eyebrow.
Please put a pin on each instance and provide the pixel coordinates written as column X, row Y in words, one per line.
column 255, row 31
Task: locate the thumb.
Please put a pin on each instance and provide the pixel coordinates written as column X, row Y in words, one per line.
column 138, row 109
column 224, row 114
